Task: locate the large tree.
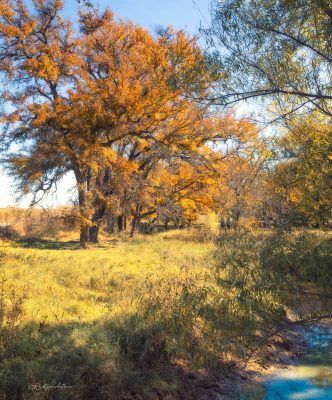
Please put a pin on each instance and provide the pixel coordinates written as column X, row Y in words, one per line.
column 274, row 50
column 89, row 101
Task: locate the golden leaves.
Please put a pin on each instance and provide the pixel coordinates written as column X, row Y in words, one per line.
column 42, row 113
column 6, row 11
column 117, row 101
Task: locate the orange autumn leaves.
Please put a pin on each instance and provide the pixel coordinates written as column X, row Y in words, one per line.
column 112, row 103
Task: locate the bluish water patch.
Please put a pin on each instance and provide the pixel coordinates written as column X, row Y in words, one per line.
column 311, row 379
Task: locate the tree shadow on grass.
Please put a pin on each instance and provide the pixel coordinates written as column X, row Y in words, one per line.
column 123, row 358
column 43, row 244
column 42, row 361
column 83, row 361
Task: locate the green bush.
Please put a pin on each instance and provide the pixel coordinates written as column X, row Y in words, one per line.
column 230, row 313
column 301, row 258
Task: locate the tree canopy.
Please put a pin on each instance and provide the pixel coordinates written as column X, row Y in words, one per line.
column 110, row 101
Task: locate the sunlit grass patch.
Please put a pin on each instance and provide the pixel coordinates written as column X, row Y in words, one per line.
column 84, row 285
column 77, row 310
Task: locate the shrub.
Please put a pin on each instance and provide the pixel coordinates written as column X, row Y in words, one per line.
column 198, row 234
column 7, row 232
column 35, row 222
column 302, row 261
column 233, row 311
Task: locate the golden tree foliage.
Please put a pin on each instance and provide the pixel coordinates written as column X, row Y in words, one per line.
column 110, row 97
column 116, row 106
column 300, row 185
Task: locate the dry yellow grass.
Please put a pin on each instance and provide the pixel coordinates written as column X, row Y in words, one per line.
column 65, row 313
column 124, row 316
column 68, row 284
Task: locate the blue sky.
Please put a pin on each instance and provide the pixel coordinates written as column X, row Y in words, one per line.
column 182, row 14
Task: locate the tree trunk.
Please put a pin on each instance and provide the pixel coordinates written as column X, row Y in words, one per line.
column 93, row 234
column 84, row 228
column 120, row 223
column 84, row 236
column 236, row 217
column 133, row 226
column 96, row 220
column 110, row 223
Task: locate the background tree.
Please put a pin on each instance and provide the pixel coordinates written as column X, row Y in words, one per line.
column 176, row 186
column 299, row 185
column 239, row 177
column 239, row 191
column 183, row 192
